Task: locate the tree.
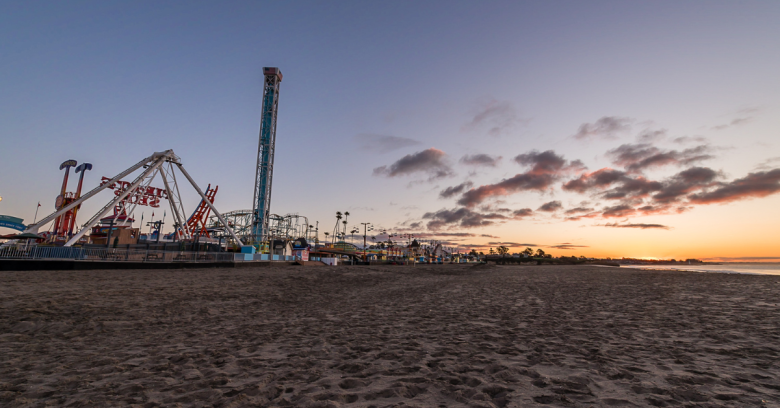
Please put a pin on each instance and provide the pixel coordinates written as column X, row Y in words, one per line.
column 502, row 250
column 492, row 251
column 336, row 228
column 540, row 253
column 528, row 252
column 474, row 253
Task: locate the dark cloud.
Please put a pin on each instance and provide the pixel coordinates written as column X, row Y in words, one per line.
column 480, row 160
column 641, row 156
column 430, row 161
column 685, row 182
column 608, row 127
column 546, row 168
column 640, row 226
column 618, row 211
column 455, row 190
column 579, row 216
column 754, row 185
column 383, row 143
column 633, row 188
column 511, row 244
column 488, row 236
column 548, row 162
column 461, row 217
column 599, row 179
column 567, row 246
column 551, row 206
column 625, row 186
column 689, row 139
column 651, row 136
column 578, row 210
column 423, row 235
column 522, row 213
column 496, row 117
column 415, row 225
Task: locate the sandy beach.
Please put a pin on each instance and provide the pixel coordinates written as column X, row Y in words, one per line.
column 428, row 336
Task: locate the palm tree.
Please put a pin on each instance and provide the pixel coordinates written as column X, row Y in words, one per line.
column 346, row 218
column 336, row 228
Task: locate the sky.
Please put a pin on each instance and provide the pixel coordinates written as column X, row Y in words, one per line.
column 604, row 129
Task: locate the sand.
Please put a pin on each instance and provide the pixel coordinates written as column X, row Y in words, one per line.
column 428, row 336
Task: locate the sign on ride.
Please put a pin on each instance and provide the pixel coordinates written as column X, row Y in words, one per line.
column 149, row 196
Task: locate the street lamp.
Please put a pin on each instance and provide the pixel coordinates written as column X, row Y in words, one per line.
column 366, row 227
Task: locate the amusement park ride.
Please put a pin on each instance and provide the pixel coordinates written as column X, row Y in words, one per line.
column 138, row 191
column 265, row 155
column 257, row 227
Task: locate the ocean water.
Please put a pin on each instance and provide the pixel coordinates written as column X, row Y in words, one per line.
column 735, row 267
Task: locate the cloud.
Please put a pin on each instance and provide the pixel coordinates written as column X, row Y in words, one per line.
column 480, row 160
column 766, row 164
column 734, row 122
column 608, row 127
column 497, row 117
column 511, row 244
column 430, row 161
column 638, row 157
column 650, row 136
column 546, row 168
column 598, row 179
column 522, row 213
column 567, row 246
column 547, row 162
column 552, row 206
column 462, row 217
column 754, row 185
column 625, row 186
column 685, row 182
column 383, row 143
column 455, row 190
column 578, row 210
column 690, row 139
column 640, row 226
column 618, row 211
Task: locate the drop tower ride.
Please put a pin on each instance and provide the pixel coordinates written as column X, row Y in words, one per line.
column 265, row 155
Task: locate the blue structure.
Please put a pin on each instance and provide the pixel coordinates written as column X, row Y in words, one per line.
column 12, row 222
column 265, row 155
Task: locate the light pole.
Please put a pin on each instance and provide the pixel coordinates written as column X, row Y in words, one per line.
column 365, row 233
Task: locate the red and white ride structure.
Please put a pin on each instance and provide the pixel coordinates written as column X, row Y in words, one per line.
column 139, row 191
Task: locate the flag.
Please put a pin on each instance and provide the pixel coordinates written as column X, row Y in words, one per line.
column 152, row 214
column 39, row 203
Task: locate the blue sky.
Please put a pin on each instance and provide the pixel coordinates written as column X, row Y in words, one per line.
column 110, row 82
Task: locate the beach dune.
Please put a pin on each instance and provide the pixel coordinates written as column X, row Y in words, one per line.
column 425, row 336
